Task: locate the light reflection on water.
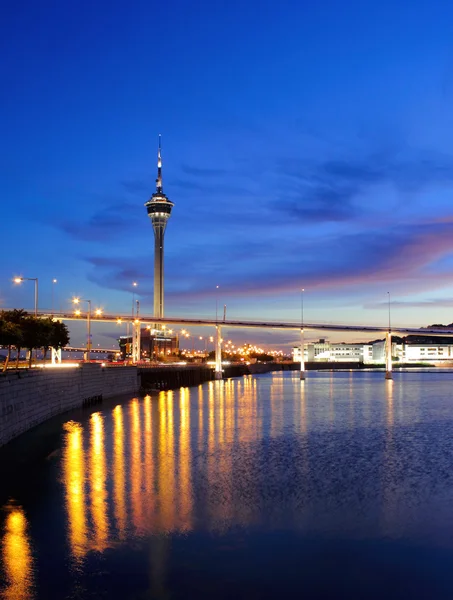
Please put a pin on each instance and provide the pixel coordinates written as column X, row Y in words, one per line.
column 347, row 455
column 17, row 557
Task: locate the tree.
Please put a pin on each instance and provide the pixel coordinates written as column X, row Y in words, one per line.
column 14, row 318
column 47, row 326
column 19, row 329
column 10, row 335
column 35, row 333
column 59, row 335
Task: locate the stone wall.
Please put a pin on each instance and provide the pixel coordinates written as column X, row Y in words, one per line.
column 29, row 397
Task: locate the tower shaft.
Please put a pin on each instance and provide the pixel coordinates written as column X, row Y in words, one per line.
column 159, row 272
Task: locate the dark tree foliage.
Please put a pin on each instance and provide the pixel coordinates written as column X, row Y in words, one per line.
column 10, row 336
column 59, row 335
column 20, row 330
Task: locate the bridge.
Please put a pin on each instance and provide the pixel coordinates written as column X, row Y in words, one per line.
column 243, row 323
column 139, row 320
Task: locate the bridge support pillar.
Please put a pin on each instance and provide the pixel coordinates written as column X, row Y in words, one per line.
column 302, row 354
column 55, row 355
column 136, row 342
column 388, row 355
column 218, row 353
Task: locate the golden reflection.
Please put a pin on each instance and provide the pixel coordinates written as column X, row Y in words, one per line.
column 149, row 465
column 390, row 473
column 200, row 417
column 17, row 557
column 98, row 476
column 136, row 463
column 211, row 416
column 248, row 413
column 166, row 461
column 229, row 411
column 223, row 475
column 185, row 464
column 210, row 466
column 119, row 478
column 255, row 415
column 303, row 407
column 389, row 399
column 276, row 393
column 221, row 413
column 74, row 482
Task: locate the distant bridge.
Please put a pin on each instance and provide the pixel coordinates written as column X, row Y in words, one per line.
column 243, row 324
column 93, row 350
column 139, row 320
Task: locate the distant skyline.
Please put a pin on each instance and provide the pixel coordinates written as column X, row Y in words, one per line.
column 304, row 146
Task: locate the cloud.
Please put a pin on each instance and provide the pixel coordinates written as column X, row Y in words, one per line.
column 337, row 189
column 203, row 172
column 320, row 204
column 434, row 303
column 400, row 255
column 105, row 224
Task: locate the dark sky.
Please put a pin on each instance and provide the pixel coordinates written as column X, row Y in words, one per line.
column 305, row 144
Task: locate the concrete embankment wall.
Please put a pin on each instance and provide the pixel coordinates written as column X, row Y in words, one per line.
column 30, row 397
column 170, row 378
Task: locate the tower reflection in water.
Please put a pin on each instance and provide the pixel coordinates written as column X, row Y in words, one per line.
column 17, row 557
column 129, row 471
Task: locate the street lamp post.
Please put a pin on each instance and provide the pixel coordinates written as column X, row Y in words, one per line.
column 88, row 350
column 216, row 302
column 218, row 346
column 54, row 281
column 388, row 347
column 388, row 293
column 302, row 341
column 35, row 279
column 134, row 285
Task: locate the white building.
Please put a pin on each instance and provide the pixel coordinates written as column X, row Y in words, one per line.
column 374, row 353
column 428, row 353
column 327, row 352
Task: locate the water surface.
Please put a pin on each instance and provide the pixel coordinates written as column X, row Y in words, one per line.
column 259, row 487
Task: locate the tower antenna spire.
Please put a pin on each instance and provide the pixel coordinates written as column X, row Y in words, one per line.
column 159, row 167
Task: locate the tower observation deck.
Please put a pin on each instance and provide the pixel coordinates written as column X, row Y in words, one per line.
column 159, row 210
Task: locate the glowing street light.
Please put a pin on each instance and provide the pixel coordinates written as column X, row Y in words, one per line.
column 78, row 301
column 134, row 285
column 35, row 279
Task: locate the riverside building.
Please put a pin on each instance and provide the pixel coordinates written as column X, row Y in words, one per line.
column 324, row 351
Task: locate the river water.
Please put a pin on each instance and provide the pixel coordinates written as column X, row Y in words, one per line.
column 260, row 487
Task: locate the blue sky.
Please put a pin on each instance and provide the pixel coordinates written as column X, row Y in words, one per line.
column 304, row 145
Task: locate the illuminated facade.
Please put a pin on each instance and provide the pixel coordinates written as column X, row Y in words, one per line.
column 155, row 344
column 375, row 353
column 159, row 210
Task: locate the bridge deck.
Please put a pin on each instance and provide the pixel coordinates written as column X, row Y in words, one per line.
column 243, row 324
